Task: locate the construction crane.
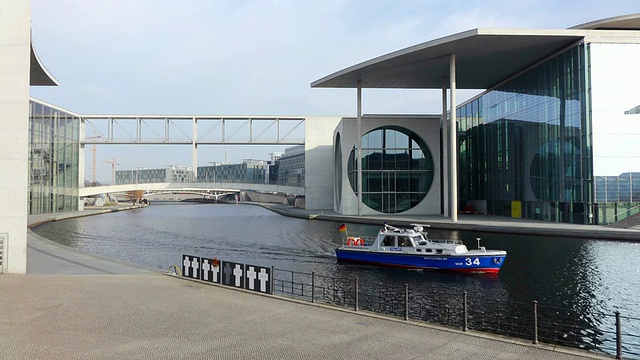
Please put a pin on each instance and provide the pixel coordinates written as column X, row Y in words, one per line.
column 93, row 151
column 113, row 169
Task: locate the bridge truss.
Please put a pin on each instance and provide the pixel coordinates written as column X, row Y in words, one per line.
column 192, row 130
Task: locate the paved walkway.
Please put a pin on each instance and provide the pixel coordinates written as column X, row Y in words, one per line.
column 73, row 305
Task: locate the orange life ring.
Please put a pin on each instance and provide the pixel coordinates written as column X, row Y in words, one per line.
column 351, row 241
column 360, row 241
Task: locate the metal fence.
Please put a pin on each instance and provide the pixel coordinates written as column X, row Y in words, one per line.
column 538, row 323
column 1, row 253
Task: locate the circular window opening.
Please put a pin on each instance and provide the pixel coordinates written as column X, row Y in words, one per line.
column 397, row 169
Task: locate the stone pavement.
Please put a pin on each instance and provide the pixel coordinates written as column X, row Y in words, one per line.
column 154, row 316
column 73, row 305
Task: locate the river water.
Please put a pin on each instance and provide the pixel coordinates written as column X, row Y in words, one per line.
column 587, row 276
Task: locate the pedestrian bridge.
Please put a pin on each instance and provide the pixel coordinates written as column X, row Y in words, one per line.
column 191, row 187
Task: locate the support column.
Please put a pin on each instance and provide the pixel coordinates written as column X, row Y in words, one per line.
column 453, row 171
column 15, row 51
column 81, row 154
column 359, row 152
column 194, row 150
column 445, row 151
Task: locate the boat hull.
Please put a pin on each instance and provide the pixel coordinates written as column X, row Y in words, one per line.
column 466, row 263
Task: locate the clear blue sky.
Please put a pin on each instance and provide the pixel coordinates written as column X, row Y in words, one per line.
column 208, row 57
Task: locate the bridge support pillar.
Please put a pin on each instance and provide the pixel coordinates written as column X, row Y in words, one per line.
column 194, row 150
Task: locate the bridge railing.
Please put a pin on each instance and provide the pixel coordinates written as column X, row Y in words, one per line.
column 88, row 191
column 613, row 334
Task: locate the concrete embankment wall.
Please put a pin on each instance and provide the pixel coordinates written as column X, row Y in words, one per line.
column 272, row 199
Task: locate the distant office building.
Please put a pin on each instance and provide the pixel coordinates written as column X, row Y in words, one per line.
column 171, row 174
column 272, row 168
column 249, row 171
column 624, row 188
column 291, row 167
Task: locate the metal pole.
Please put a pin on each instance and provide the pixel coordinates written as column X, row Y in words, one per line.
column 445, row 157
column 194, row 150
column 355, row 305
column 465, row 323
column 406, row 301
column 535, row 322
column 453, row 171
column 313, row 286
column 359, row 144
column 273, row 281
column 618, row 336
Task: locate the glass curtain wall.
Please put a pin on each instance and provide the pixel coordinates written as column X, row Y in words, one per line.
column 525, row 148
column 397, row 169
column 53, row 159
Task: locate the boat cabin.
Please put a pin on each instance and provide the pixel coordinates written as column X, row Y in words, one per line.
column 394, row 239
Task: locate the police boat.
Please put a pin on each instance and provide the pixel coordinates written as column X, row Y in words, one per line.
column 412, row 249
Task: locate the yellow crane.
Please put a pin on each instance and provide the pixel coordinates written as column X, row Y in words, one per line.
column 113, row 169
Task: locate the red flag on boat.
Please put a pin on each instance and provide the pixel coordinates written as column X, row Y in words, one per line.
column 342, row 227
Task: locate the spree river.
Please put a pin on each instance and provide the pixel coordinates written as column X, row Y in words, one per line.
column 587, row 276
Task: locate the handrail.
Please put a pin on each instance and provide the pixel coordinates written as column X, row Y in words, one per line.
column 524, row 320
column 618, row 215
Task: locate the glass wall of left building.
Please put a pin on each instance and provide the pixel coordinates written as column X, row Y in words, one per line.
column 54, row 141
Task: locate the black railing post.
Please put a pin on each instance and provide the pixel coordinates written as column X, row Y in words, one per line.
column 618, row 336
column 355, row 297
column 406, row 301
column 465, row 315
column 313, row 286
column 273, row 280
column 335, row 291
column 292, row 283
column 535, row 322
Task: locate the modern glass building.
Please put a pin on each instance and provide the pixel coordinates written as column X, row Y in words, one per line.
column 525, row 146
column 291, row 165
column 170, row 174
column 54, row 142
column 553, row 136
column 249, row 171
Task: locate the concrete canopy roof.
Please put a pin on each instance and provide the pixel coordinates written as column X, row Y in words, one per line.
column 484, row 57
column 624, row 22
column 38, row 74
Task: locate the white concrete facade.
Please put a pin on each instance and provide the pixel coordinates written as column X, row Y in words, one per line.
column 345, row 138
column 615, row 89
column 15, row 47
column 318, row 163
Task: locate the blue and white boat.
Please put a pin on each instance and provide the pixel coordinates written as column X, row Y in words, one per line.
column 412, row 249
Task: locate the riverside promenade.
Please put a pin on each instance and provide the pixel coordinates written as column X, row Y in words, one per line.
column 73, row 305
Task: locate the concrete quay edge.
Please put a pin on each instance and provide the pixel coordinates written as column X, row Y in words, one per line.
column 479, row 223
column 39, row 219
